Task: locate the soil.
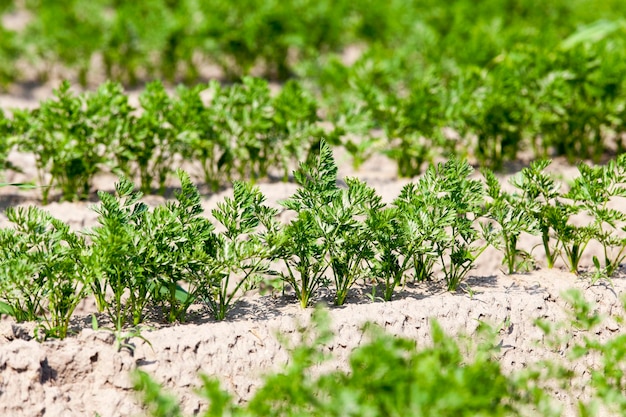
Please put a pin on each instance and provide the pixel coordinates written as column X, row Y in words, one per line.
column 86, row 375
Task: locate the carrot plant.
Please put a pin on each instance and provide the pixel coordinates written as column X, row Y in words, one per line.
column 498, row 113
column 411, row 124
column 349, row 239
column 511, row 219
column 243, row 115
column 573, row 240
column 294, row 130
column 335, row 222
column 144, row 258
column 44, row 270
column 9, row 51
column 153, row 142
column 22, row 294
column 120, row 284
column 387, row 266
column 540, row 197
column 240, row 256
column 179, row 245
column 593, row 190
column 449, row 204
column 301, row 244
column 72, row 136
column 49, row 133
column 108, row 117
column 197, row 135
column 6, row 133
column 419, row 227
column 554, row 214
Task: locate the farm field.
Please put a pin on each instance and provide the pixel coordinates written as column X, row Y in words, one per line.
column 88, row 372
column 312, row 208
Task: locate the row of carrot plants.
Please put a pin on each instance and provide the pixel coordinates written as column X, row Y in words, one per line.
column 164, row 39
column 139, row 260
column 244, row 132
column 569, row 100
column 175, row 38
column 487, row 79
column 562, row 104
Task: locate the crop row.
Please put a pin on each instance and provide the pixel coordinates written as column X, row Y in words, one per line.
column 488, row 80
column 170, row 38
column 242, row 133
column 569, row 100
column 167, row 259
column 571, row 103
column 485, row 80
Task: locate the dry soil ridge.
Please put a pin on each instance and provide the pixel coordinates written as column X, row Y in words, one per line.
column 85, row 374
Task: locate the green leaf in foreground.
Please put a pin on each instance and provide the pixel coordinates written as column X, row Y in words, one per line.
column 22, row 185
column 387, row 376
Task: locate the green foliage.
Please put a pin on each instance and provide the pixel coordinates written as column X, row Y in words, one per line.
column 72, row 137
column 338, row 235
column 604, row 379
column 171, row 257
column 143, row 257
column 294, row 132
column 137, row 33
column 9, row 52
column 539, row 195
column 448, row 204
column 592, row 192
column 197, row 136
column 43, row 270
column 388, row 237
column 390, row 376
column 243, row 132
column 68, row 33
column 180, row 242
column 301, row 244
column 348, row 237
column 6, row 133
column 241, row 252
column 489, row 79
column 243, row 114
column 116, row 263
column 498, row 113
column 160, row 404
column 153, row 142
column 511, row 218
